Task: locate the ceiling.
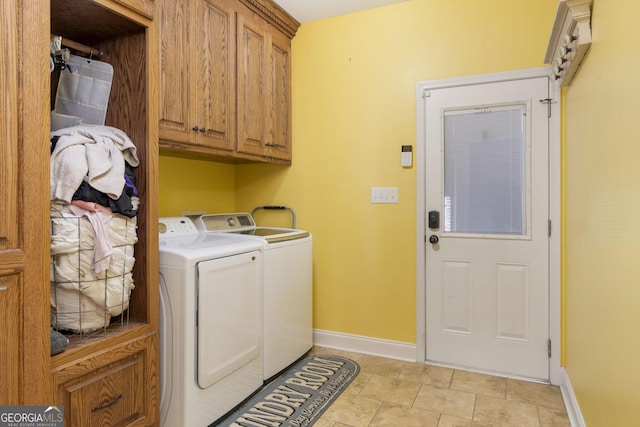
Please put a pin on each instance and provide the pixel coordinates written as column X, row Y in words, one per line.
column 311, row 10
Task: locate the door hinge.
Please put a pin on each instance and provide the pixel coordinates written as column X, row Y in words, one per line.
column 549, row 348
column 548, row 102
column 549, row 228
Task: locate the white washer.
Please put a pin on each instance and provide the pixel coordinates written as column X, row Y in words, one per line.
column 211, row 329
column 288, row 286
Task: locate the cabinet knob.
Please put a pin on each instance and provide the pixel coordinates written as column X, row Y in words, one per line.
column 195, row 127
column 202, row 130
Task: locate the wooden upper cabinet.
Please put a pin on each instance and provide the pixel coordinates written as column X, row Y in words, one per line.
column 225, row 84
column 197, row 77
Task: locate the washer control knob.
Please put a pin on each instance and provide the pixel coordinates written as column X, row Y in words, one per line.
column 433, row 239
column 231, row 222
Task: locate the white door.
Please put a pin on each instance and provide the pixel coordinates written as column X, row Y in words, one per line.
column 487, row 248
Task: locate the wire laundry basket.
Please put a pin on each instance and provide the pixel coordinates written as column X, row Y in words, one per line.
column 86, row 305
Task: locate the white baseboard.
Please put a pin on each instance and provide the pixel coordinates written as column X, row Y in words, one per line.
column 571, row 402
column 366, row 345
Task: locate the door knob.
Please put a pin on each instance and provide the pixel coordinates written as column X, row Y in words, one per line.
column 433, row 239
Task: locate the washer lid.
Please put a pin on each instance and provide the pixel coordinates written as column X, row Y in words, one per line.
column 274, row 235
column 244, row 224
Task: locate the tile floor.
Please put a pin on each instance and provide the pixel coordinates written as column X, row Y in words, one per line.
column 394, row 393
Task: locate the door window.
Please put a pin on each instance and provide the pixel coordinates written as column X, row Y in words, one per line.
column 485, row 185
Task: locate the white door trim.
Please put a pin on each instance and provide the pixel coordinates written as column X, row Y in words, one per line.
column 555, row 374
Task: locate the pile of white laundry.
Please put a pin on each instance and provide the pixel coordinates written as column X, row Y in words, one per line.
column 92, row 243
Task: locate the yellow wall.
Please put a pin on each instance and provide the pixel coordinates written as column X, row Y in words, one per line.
column 195, row 185
column 602, row 133
column 354, row 82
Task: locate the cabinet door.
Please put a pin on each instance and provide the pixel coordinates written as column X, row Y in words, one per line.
column 11, row 253
column 215, row 73
column 177, row 103
column 279, row 111
column 253, row 84
column 197, row 78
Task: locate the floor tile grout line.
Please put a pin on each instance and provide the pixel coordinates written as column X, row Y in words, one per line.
column 475, row 402
column 376, row 413
column 416, row 396
column 539, row 418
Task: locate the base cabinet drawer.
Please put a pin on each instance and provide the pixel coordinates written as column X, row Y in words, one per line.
column 110, row 389
column 113, row 396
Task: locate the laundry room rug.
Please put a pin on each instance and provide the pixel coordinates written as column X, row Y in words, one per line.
column 298, row 397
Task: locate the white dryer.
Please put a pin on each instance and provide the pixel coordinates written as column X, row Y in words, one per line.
column 288, row 285
column 211, row 329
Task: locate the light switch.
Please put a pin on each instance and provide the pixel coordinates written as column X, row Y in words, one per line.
column 384, row 195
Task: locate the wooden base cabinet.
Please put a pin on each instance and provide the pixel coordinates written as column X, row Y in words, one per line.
column 225, row 83
column 111, row 388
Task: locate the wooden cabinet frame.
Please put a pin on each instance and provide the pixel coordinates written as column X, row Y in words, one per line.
column 126, row 31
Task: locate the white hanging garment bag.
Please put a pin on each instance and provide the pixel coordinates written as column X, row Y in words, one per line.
column 84, row 94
